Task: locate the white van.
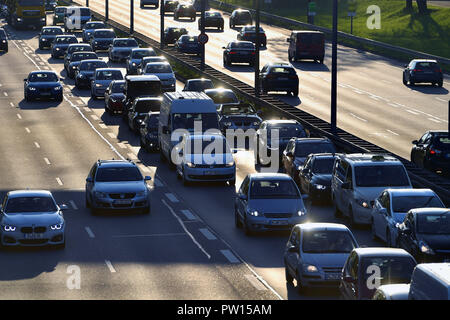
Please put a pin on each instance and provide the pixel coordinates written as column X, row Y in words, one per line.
column 430, row 281
column 180, row 110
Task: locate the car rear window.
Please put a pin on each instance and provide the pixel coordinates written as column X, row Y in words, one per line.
column 310, row 38
column 381, row 176
column 139, row 54
column 280, row 189
column 442, row 142
column 323, row 165
column 145, row 106
column 304, row 149
column 223, row 97
column 118, row 88
column 83, row 56
column 242, row 45
column 200, row 85
column 30, row 204
column 434, row 223
column 286, row 131
column 427, row 65
column 94, row 25
column 118, row 174
column 79, row 48
column 109, row 75
column 158, row 68
column 282, row 70
column 125, row 43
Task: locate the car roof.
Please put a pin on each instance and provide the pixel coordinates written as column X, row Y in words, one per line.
column 118, row 39
column 318, row 226
column 312, row 140
column 205, row 137
column 65, row 36
column 148, row 99
column 289, row 121
column 213, row 90
column 50, row 27
column 240, row 41
column 43, row 71
column 306, row 31
column 440, row 270
column 410, row 192
column 142, row 49
column 158, row 63
column 79, row 45
column 424, row 60
column 381, row 251
column 148, row 77
column 241, row 10
column 103, row 29
column 116, row 163
column 91, row 60
column 96, row 22
column 269, row 176
column 373, row 158
column 324, row 155
column 199, row 80
column 29, row 193
column 425, row 211
column 280, row 64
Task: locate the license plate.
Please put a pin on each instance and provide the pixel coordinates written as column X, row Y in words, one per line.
column 283, row 79
column 209, row 172
column 122, row 202
column 45, row 93
column 33, row 235
column 279, row 222
column 334, row 276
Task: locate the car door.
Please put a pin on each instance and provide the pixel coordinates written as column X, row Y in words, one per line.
column 379, row 217
column 288, row 157
column 339, row 173
column 242, row 203
column 292, row 258
column 347, row 288
column 90, row 182
column 347, row 194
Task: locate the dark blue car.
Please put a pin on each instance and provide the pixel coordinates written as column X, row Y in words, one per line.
column 60, row 45
column 43, row 85
column 188, row 44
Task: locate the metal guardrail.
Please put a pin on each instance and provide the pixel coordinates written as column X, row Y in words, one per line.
column 416, row 54
column 318, row 127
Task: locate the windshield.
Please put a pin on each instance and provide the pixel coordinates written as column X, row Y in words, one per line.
column 406, row 203
column 252, row 29
column 427, row 65
column 109, row 75
column 104, row 34
column 327, row 241
column 125, row 43
column 91, row 66
column 302, row 150
column 189, row 39
column 271, row 189
column 30, row 204
column 83, row 56
column 288, row 131
column 43, row 77
column 244, row 15
column 242, row 45
column 220, row 97
column 310, row 38
column 434, row 223
column 323, row 165
column 283, row 70
column 117, row 174
column 143, row 88
column 79, row 48
column 148, row 60
column 92, row 25
column 158, row 68
column 200, row 85
column 186, row 120
column 66, row 40
column 237, row 109
column 381, row 176
column 118, row 88
column 214, row 146
column 145, row 106
column 53, row 31
column 139, row 54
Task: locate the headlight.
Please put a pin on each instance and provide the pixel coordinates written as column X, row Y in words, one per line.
column 81, row 75
column 310, row 268
column 190, row 164
column 74, row 67
column 19, row 19
column 9, row 228
column 57, row 88
column 101, row 195
column 98, row 85
column 230, row 164
column 301, row 213
column 32, row 88
column 320, row 187
column 134, row 64
column 363, row 203
column 253, row 212
column 57, row 226
column 57, row 49
column 44, row 39
column 42, row 19
column 424, row 248
column 227, row 124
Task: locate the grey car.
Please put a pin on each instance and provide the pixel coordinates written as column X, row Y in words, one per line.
column 101, row 39
column 60, row 45
column 268, row 201
column 120, row 49
column 31, row 218
column 316, row 253
column 102, row 79
column 89, row 29
column 135, row 59
column 164, row 72
column 117, row 185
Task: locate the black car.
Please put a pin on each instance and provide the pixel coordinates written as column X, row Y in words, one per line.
column 240, row 17
column 248, row 33
column 101, row 39
column 421, row 70
column 432, row 151
column 198, row 85
column 188, row 44
column 135, row 58
column 115, row 97
column 184, row 10
column 213, row 19
column 43, row 85
column 239, row 52
column 279, row 77
column 170, row 5
column 140, row 108
column 85, row 72
column 50, row 5
column 47, row 35
column 425, row 234
column 149, row 132
column 60, row 45
column 315, row 176
column 298, row 149
column 238, row 116
column 75, row 60
column 140, row 86
column 285, row 129
column 75, row 47
column 172, row 34
column 3, row 40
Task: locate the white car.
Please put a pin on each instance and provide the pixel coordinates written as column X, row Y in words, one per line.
column 391, row 206
column 164, row 72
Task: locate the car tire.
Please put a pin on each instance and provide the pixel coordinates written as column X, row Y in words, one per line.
column 232, row 182
column 295, row 93
column 412, row 83
column 287, row 275
column 88, row 205
column 94, row 211
column 440, row 83
column 237, row 220
column 404, row 80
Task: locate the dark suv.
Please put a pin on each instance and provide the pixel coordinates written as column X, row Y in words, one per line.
column 423, row 71
column 184, row 10
column 240, row 17
column 298, row 149
column 432, row 151
column 213, row 19
column 117, row 185
column 248, row 33
column 279, row 77
column 3, row 40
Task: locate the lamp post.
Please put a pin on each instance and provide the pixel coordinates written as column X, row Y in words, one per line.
column 106, row 10
column 161, row 34
column 334, row 69
column 258, row 44
column 131, row 17
column 202, row 32
column 87, row 3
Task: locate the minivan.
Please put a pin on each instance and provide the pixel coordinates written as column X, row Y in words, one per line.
column 183, row 110
column 140, row 86
column 430, row 281
column 306, row 45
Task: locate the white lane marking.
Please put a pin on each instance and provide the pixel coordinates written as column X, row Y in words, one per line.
column 5, row 93
column 19, row 116
column 93, row 116
column 74, row 206
column 59, row 181
column 255, row 282
column 47, row 161
column 111, row 135
column 359, row 118
column 11, row 104
column 358, row 92
column 172, row 197
column 434, row 120
column 87, row 109
column 230, row 256
column 110, row 266
column 150, row 235
column 89, row 232
column 393, row 105
column 374, row 98
column 27, row 130
column 392, row 132
column 188, row 214
column 185, row 229
column 37, row 145
column 208, row 235
column 412, row 112
column 440, row 99
column 157, row 183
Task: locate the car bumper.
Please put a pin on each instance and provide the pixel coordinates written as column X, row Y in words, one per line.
column 261, row 224
column 168, row 87
column 99, row 92
column 120, row 205
column 189, row 50
column 320, row 280
column 84, row 81
column 321, row 193
column 16, row 239
column 44, row 95
column 418, row 78
column 210, row 174
column 58, row 54
column 242, row 59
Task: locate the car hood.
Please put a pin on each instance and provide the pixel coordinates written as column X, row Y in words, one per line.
column 336, row 260
column 164, row 76
column 48, row 37
column 30, row 218
column 323, row 179
column 120, row 187
column 276, row 205
column 44, row 84
column 206, row 159
column 436, row 241
column 104, row 83
column 117, row 96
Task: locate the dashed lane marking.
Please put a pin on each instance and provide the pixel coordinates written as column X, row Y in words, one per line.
column 208, row 235
column 188, row 214
column 59, row 181
column 110, row 266
column 37, row 145
column 89, row 232
column 172, row 197
column 255, row 282
column 230, row 256
column 47, row 161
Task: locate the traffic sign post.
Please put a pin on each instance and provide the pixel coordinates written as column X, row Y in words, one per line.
column 161, row 33
column 131, row 16
column 311, row 12
column 106, row 10
column 202, row 38
column 257, row 44
column 351, row 15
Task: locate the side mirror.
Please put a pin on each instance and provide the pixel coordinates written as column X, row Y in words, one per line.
column 345, row 185
column 63, row 207
column 406, row 66
column 292, row 249
column 415, row 142
column 349, row 279
column 147, row 178
column 89, row 180
column 25, row 79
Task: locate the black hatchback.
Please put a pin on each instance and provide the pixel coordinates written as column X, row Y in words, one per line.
column 240, row 17
column 279, row 77
column 172, row 34
column 239, row 52
column 213, row 19
column 423, row 71
column 3, row 40
column 432, row 151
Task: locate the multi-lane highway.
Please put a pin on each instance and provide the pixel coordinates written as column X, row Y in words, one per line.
column 372, row 101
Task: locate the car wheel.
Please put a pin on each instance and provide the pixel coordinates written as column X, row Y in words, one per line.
column 404, row 80
column 300, row 287
column 247, row 230
column 287, row 275
column 185, row 181
column 412, row 83
column 440, row 83
column 88, row 205
column 237, row 220
column 372, row 231
column 60, row 98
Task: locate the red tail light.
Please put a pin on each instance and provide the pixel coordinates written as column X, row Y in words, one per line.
column 438, row 70
column 435, row 151
column 417, row 70
column 233, row 52
column 253, row 52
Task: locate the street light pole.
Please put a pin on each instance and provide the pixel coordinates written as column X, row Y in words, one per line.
column 334, row 69
column 131, row 17
column 202, row 31
column 161, row 33
column 106, row 10
column 87, row 3
column 258, row 44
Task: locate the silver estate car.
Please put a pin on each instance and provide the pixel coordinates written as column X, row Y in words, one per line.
column 31, row 218
column 102, row 78
column 268, row 201
column 316, row 253
column 117, row 185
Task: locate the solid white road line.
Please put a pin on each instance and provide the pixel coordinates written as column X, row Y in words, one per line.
column 208, row 235
column 255, row 282
column 359, row 118
column 172, row 197
column 74, row 206
column 412, row 112
column 434, row 120
column 89, row 232
column 188, row 214
column 440, row 99
column 110, row 266
column 230, row 256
